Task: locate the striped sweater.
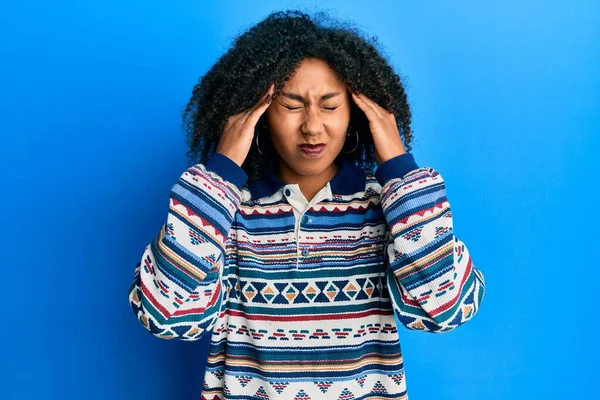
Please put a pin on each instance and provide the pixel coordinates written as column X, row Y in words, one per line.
column 300, row 296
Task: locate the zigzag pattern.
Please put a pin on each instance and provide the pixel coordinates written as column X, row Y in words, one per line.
column 307, row 314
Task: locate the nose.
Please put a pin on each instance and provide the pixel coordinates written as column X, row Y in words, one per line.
column 312, row 123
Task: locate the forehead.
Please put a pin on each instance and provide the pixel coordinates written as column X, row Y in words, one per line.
column 313, row 76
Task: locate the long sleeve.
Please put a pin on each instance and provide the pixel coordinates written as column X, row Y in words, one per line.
column 177, row 289
column 434, row 284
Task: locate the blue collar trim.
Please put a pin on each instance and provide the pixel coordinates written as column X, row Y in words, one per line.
column 349, row 179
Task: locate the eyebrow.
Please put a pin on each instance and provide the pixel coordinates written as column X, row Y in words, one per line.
column 295, row 96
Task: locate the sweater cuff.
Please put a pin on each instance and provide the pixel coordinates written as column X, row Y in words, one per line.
column 227, row 169
column 395, row 167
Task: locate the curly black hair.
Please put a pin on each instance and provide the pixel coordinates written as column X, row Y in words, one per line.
column 270, row 52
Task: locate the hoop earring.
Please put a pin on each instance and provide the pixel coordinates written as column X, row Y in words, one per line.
column 257, row 145
column 357, row 140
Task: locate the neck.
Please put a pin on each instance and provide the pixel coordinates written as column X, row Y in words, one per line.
column 309, row 185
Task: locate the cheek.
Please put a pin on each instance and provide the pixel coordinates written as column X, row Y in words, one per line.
column 339, row 124
column 340, row 137
column 279, row 128
column 282, row 123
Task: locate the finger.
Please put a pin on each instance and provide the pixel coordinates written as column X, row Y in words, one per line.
column 233, row 119
column 269, row 90
column 242, row 116
column 256, row 113
column 376, row 107
column 253, row 114
column 264, row 96
column 367, row 109
column 382, row 111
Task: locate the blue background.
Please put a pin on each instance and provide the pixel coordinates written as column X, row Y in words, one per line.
column 506, row 105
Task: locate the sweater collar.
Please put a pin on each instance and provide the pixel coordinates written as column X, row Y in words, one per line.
column 349, row 179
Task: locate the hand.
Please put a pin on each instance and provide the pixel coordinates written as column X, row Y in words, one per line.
column 382, row 125
column 238, row 133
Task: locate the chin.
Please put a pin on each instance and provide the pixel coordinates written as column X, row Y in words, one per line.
column 308, row 170
column 304, row 167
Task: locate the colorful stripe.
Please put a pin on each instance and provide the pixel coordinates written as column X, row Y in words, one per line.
column 307, row 316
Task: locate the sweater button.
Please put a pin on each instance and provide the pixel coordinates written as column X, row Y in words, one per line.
column 288, row 192
column 305, row 252
column 305, row 219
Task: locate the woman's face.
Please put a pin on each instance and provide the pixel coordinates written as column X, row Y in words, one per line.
column 313, row 107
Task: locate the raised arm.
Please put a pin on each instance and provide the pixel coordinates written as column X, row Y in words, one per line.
column 434, row 284
column 177, row 290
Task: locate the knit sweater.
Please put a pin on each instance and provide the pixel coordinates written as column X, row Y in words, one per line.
column 300, row 296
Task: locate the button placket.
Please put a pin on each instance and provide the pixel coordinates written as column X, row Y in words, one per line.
column 306, row 220
column 300, row 205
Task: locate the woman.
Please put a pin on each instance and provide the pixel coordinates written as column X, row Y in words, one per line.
column 282, row 240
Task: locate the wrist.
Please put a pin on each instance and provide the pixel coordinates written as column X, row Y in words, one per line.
column 231, row 157
column 227, row 168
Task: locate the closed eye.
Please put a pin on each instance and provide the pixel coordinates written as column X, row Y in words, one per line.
column 297, row 108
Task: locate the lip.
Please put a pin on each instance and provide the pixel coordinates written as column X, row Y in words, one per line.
column 312, row 150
